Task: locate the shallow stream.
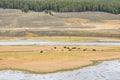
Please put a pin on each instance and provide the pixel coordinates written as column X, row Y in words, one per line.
column 45, row 42
column 107, row 70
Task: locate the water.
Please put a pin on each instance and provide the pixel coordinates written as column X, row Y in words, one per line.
column 41, row 42
column 107, row 70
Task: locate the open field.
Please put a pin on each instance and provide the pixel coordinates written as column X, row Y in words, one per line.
column 72, row 38
column 60, row 38
column 83, row 26
column 32, row 24
column 42, row 59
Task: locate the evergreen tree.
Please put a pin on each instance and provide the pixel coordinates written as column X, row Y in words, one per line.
column 25, row 8
column 111, row 6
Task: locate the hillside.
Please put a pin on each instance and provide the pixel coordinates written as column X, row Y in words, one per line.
column 16, row 23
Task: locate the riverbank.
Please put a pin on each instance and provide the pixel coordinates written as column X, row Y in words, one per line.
column 25, row 41
column 44, row 59
column 102, row 71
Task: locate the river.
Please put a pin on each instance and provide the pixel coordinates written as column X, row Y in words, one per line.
column 107, row 70
column 47, row 42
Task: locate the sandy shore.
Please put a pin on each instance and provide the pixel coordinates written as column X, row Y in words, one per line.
column 43, row 59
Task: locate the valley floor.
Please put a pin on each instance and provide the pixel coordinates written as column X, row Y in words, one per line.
column 82, row 26
column 43, row 59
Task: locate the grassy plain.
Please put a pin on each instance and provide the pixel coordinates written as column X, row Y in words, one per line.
column 83, row 26
column 30, row 58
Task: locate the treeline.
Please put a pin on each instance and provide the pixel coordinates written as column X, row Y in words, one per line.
column 110, row 6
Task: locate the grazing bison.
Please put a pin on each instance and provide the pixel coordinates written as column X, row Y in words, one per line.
column 74, row 48
column 65, row 47
column 55, row 47
column 70, row 49
column 79, row 48
column 94, row 50
column 85, row 49
column 41, row 51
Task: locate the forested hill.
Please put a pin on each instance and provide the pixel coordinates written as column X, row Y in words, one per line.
column 111, row 6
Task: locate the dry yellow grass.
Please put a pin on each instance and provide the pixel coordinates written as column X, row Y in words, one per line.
column 69, row 38
column 32, row 36
column 77, row 20
column 29, row 57
column 29, row 34
column 102, row 24
column 112, row 21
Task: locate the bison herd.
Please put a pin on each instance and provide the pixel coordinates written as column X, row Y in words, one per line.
column 71, row 49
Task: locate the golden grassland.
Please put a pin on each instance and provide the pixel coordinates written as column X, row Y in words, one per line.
column 54, row 38
column 74, row 38
column 66, row 38
column 32, row 36
column 53, row 58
